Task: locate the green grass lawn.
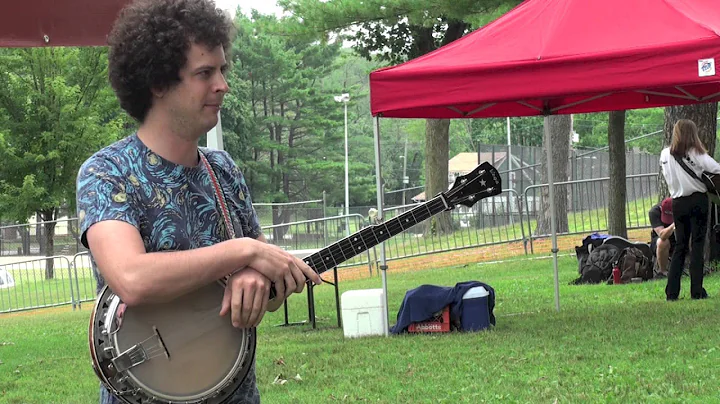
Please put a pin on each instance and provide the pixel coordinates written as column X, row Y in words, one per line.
column 619, row 343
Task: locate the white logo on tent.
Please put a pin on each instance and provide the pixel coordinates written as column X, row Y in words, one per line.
column 706, row 67
column 6, row 279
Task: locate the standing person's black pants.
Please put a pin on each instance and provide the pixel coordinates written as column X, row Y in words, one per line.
column 690, row 216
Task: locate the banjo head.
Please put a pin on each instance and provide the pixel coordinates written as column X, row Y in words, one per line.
column 177, row 352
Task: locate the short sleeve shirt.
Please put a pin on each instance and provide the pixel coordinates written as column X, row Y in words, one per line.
column 173, row 207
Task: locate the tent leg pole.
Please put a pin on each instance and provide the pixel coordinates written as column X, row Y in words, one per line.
column 380, row 216
column 551, row 201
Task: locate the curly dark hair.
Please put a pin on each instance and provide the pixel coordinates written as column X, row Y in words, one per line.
column 149, row 42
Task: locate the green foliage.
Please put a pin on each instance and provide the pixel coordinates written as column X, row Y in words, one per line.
column 525, row 131
column 282, row 123
column 282, row 116
column 56, row 109
column 593, row 129
column 397, row 30
column 392, row 32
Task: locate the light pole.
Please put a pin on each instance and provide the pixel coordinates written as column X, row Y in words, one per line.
column 344, row 98
column 405, row 179
column 404, row 182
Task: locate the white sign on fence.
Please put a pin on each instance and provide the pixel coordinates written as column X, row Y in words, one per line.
column 6, row 279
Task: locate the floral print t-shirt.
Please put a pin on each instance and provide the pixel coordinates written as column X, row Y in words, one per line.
column 173, row 207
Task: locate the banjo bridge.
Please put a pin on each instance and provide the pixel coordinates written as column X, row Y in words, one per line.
column 161, row 342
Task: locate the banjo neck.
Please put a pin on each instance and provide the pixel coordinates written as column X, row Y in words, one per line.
column 484, row 181
column 367, row 238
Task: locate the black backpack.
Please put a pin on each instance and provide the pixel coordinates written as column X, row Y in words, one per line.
column 632, row 263
column 583, row 251
column 598, row 266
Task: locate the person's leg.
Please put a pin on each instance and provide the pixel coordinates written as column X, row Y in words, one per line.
column 107, row 398
column 663, row 255
column 681, row 215
column 248, row 392
column 698, row 222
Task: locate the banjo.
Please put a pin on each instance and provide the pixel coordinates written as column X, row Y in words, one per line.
column 184, row 352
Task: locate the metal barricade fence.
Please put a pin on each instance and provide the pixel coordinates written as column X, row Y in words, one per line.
column 83, row 279
column 277, row 213
column 493, row 220
column 23, row 285
column 500, row 219
column 24, row 240
column 36, row 283
column 585, row 204
column 316, row 234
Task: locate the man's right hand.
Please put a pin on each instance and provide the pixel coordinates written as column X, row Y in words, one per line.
column 246, row 298
column 286, row 271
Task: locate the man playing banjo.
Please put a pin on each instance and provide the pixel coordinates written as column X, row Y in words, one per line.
column 148, row 206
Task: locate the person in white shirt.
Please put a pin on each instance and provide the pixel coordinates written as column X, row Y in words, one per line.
column 689, row 205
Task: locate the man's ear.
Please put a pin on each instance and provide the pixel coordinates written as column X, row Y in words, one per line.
column 158, row 92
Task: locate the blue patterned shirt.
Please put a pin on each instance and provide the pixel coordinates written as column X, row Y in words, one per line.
column 173, row 207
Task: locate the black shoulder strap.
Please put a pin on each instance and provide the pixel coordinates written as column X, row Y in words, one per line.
column 688, row 169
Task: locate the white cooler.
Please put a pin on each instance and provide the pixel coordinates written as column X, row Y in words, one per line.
column 363, row 312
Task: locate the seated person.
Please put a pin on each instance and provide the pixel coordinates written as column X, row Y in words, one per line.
column 662, row 234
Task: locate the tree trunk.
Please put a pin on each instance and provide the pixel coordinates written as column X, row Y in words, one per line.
column 48, row 244
column 617, row 190
column 705, row 117
column 40, row 235
column 25, row 240
column 437, row 144
column 49, row 250
column 559, row 132
column 280, row 215
column 74, row 231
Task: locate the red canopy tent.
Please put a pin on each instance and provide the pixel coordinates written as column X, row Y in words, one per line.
column 563, row 56
column 32, row 23
column 559, row 57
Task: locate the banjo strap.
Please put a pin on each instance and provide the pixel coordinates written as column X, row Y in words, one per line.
column 229, row 229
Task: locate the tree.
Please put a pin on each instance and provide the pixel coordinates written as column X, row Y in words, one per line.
column 524, row 131
column 436, row 169
column 559, row 126
column 705, row 117
column 291, row 115
column 395, row 31
column 617, row 189
column 56, row 109
column 593, row 129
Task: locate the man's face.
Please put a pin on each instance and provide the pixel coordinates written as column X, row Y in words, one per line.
column 194, row 103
